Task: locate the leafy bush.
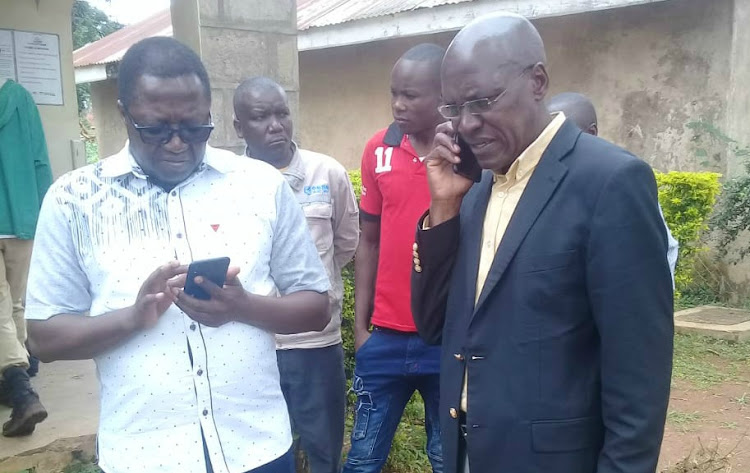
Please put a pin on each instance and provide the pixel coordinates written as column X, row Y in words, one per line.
column 347, row 310
column 687, row 199
column 732, row 215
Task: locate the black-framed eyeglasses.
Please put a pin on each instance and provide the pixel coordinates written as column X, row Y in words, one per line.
column 162, row 134
column 478, row 106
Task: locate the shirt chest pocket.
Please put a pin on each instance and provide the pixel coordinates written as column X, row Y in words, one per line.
column 319, row 217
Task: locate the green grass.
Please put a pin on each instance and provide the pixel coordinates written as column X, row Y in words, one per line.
column 706, row 362
column 683, row 420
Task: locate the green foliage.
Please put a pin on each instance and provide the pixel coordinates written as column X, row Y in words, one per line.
column 732, row 216
column 347, row 310
column 709, row 143
column 347, row 319
column 89, row 24
column 356, row 178
column 687, row 199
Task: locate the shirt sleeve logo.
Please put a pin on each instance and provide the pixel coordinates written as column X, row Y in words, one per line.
column 383, row 156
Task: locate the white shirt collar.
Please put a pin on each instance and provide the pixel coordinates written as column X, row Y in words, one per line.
column 124, row 163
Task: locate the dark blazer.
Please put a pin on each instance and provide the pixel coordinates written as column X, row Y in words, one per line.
column 569, row 349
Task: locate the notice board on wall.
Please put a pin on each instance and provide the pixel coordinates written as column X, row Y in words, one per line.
column 33, row 60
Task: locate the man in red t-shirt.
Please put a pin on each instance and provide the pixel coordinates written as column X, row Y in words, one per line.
column 391, row 360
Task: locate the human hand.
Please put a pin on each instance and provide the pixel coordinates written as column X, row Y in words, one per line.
column 224, row 305
column 447, row 188
column 157, row 293
column 360, row 338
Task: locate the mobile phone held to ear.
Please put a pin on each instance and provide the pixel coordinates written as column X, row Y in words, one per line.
column 469, row 166
column 214, row 270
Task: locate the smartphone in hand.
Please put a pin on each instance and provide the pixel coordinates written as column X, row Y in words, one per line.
column 468, row 167
column 214, row 270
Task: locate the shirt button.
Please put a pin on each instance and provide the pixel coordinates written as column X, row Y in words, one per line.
column 192, row 326
column 174, row 193
column 200, row 372
column 179, row 235
column 453, row 412
column 205, row 412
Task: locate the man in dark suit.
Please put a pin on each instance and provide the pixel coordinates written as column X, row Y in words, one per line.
column 547, row 282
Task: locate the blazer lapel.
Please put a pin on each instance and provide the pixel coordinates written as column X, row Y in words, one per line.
column 547, row 176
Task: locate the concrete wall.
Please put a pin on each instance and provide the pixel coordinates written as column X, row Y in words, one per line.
column 650, row 69
column 60, row 122
column 238, row 39
column 108, row 123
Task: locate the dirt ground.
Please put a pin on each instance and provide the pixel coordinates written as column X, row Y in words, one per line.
column 715, row 419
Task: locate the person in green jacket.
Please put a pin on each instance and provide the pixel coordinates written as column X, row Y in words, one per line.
column 25, row 176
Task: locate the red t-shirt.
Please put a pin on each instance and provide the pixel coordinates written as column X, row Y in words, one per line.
column 394, row 188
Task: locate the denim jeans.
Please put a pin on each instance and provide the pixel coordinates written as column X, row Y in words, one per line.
column 314, row 386
column 390, row 366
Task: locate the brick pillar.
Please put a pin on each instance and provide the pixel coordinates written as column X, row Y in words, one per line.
column 238, row 39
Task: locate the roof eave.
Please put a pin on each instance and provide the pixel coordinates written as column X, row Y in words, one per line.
column 443, row 18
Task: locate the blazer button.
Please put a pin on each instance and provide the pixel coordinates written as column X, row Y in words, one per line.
column 458, row 356
column 454, row 413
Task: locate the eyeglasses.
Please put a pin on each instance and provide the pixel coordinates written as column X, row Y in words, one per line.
column 162, row 134
column 478, row 106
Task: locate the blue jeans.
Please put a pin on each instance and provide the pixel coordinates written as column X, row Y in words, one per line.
column 390, row 366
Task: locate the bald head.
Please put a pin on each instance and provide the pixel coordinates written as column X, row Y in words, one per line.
column 576, row 107
column 262, row 118
column 501, row 39
column 253, row 87
column 498, row 63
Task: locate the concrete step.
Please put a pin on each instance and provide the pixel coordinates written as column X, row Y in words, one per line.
column 718, row 322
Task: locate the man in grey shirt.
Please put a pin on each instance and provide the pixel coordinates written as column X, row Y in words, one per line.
column 311, row 364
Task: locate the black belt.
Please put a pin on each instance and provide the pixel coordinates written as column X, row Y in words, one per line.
column 392, row 331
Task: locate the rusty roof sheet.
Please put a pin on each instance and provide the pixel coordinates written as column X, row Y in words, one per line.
column 112, row 48
column 318, row 13
column 310, row 14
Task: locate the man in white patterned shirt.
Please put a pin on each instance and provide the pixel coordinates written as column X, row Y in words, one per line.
column 187, row 386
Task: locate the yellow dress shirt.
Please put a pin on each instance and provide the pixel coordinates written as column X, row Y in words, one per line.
column 506, row 193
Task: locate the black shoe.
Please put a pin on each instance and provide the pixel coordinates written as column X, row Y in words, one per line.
column 33, row 366
column 27, row 410
column 24, row 417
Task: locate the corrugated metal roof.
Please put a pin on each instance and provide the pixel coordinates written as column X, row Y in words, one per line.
column 310, row 14
column 112, row 48
column 317, row 13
